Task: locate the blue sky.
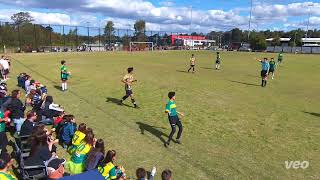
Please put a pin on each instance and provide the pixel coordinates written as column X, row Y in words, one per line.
column 171, row 15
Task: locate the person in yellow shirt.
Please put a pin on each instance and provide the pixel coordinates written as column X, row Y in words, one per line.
column 128, row 80
column 108, row 170
column 76, row 165
column 192, row 63
column 5, row 164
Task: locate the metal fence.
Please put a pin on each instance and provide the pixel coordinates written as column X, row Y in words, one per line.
column 288, row 49
column 46, row 37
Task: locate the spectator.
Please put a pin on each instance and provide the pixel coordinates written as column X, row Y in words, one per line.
column 5, row 68
column 141, row 173
column 3, row 90
column 55, row 168
column 5, row 164
column 27, row 84
column 50, row 110
column 166, row 175
column 3, row 135
column 79, row 134
column 67, row 131
column 42, row 146
column 29, row 124
column 17, row 109
column 108, row 170
column 79, row 154
column 96, row 155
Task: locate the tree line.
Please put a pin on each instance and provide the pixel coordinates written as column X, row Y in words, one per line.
column 26, row 36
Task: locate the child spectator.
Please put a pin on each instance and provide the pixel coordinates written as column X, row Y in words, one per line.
column 141, row 173
column 68, row 129
column 27, row 84
column 166, row 175
column 108, row 170
column 79, row 135
column 5, row 164
column 79, row 155
column 96, row 155
column 50, row 110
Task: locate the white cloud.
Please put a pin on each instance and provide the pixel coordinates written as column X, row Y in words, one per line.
column 166, row 16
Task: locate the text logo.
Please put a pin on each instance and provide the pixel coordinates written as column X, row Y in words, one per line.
column 297, row 164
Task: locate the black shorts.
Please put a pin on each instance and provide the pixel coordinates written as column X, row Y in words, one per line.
column 218, row 62
column 264, row 73
column 64, row 79
column 173, row 119
column 271, row 70
column 192, row 65
column 129, row 92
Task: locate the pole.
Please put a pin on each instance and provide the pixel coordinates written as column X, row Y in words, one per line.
column 191, row 19
column 99, row 38
column 88, row 33
column 19, row 38
column 250, row 20
column 64, row 38
column 35, row 37
column 50, row 40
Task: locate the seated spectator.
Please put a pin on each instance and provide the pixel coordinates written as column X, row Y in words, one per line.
column 79, row 134
column 3, row 135
column 108, row 170
column 58, row 120
column 55, row 168
column 17, row 109
column 96, row 155
column 42, row 147
column 79, row 154
column 5, row 164
column 141, row 173
column 29, row 124
column 166, row 175
column 67, row 131
column 27, row 84
column 50, row 110
column 3, row 90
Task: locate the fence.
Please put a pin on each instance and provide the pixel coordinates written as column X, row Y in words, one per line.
column 46, row 37
column 288, row 49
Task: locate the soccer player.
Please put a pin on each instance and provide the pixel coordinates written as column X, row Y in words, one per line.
column 171, row 110
column 64, row 75
column 273, row 66
column 218, row 61
column 192, row 63
column 280, row 58
column 264, row 71
column 128, row 80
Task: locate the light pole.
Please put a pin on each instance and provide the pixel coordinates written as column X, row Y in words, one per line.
column 191, row 19
column 309, row 14
column 251, row 6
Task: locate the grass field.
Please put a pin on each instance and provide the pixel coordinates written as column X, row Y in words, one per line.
column 233, row 128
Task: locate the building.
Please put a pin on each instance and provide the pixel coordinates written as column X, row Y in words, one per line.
column 191, row 41
column 284, row 41
column 310, row 42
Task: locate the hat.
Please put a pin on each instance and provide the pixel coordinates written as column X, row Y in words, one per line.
column 56, row 163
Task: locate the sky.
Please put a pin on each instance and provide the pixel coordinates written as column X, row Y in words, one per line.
column 171, row 15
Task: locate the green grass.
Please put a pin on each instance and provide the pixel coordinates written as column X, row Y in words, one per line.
column 233, row 128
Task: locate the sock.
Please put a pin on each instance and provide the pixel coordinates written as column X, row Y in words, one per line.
column 133, row 102
column 62, row 86
column 262, row 83
column 265, row 83
column 65, row 86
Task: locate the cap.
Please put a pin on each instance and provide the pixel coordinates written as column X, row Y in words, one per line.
column 56, row 163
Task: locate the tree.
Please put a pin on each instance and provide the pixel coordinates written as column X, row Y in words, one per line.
column 236, row 35
column 22, row 18
column 258, row 41
column 140, row 28
column 109, row 31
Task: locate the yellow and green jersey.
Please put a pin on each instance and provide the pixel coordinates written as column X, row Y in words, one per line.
column 108, row 171
column 171, row 108
column 80, row 154
column 77, row 138
column 7, row 176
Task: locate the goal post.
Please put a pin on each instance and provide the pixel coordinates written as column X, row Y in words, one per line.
column 148, row 43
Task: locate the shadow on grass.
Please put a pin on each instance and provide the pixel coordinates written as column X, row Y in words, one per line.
column 57, row 87
column 153, row 130
column 182, row 71
column 249, row 84
column 312, row 113
column 206, row 68
column 116, row 101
